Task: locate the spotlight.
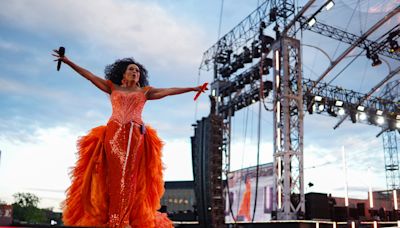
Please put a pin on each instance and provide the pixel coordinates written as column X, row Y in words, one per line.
column 375, row 60
column 380, row 120
column 255, row 50
column 318, row 98
column 311, row 21
column 272, row 14
column 331, row 109
column 341, row 111
column 362, row 116
column 361, row 108
column 224, row 56
column 368, row 54
column 246, row 55
column 394, row 124
column 339, row 103
column 321, row 107
column 394, row 46
column 225, row 71
column 329, row 5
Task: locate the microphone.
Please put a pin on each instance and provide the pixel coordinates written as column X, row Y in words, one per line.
column 61, row 53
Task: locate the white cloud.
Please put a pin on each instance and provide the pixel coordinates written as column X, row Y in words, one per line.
column 23, row 88
column 177, row 159
column 42, row 163
column 10, row 46
column 128, row 28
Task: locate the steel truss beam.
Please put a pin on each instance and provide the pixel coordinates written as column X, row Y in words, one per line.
column 373, row 90
column 357, row 42
column 351, row 99
column 330, row 94
column 349, row 38
column 239, row 36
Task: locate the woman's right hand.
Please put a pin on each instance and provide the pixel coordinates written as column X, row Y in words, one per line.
column 63, row 58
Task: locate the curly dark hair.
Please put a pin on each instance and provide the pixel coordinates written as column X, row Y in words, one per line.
column 115, row 71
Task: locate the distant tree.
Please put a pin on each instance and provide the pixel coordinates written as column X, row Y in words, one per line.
column 25, row 208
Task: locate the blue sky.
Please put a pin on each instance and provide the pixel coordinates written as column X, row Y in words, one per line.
column 45, row 111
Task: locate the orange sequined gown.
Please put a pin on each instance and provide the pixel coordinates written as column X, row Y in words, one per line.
column 113, row 186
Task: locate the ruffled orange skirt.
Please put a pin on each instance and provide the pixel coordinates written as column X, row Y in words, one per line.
column 112, row 189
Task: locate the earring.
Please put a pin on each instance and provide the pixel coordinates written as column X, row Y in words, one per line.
column 123, row 82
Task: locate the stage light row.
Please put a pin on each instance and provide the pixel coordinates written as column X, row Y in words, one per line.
column 244, row 99
column 247, row 77
column 327, row 6
column 393, row 44
column 232, row 63
column 358, row 113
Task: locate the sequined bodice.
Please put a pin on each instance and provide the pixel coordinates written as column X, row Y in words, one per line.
column 127, row 106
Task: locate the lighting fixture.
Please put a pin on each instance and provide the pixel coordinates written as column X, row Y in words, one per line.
column 379, row 112
column 311, row 21
column 339, row 103
column 394, row 46
column 318, row 98
column 321, row 107
column 361, row 108
column 375, row 60
column 380, row 120
column 362, row 116
column 329, row 5
column 341, row 111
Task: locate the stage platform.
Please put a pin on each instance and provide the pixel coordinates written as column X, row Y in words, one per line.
column 271, row 224
column 298, row 224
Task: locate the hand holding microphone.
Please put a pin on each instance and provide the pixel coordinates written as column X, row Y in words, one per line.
column 60, row 54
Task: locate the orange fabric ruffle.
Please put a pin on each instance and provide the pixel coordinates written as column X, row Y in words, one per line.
column 87, row 201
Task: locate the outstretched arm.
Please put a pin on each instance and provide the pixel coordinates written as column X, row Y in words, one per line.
column 97, row 81
column 155, row 93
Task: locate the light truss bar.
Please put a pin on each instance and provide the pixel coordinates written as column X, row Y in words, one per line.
column 329, row 94
column 239, row 36
column 346, row 37
column 357, row 42
column 367, row 96
column 349, row 97
column 290, row 26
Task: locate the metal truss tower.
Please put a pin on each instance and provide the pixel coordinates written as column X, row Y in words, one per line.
column 289, row 202
column 391, row 92
column 391, row 160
